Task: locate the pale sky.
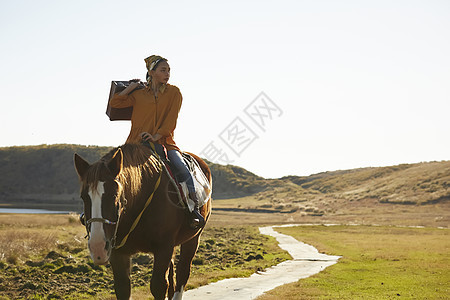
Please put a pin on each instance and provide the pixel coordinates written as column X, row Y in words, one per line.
column 346, row 84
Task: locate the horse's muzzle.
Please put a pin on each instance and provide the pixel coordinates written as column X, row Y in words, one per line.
column 99, row 251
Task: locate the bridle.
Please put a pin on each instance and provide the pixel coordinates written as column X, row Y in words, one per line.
column 119, row 211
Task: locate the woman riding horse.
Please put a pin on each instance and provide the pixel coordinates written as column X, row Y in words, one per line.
column 124, row 185
column 154, row 118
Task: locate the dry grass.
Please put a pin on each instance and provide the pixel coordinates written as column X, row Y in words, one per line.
column 36, row 220
column 420, row 183
column 18, row 244
column 44, row 261
column 404, row 184
column 423, row 183
column 25, row 236
column 410, row 195
column 340, row 211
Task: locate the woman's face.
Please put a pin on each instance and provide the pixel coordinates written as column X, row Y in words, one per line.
column 162, row 73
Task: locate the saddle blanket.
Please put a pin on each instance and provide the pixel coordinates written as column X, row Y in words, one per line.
column 202, row 187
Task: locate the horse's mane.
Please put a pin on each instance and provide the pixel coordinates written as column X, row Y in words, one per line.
column 138, row 161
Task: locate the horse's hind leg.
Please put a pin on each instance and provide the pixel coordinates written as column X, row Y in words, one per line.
column 121, row 270
column 187, row 253
column 159, row 284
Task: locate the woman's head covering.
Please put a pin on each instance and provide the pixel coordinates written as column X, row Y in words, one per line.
column 152, row 61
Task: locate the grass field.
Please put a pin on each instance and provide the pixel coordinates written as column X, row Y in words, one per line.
column 377, row 263
column 46, row 257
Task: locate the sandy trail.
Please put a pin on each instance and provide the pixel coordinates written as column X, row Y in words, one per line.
column 306, row 261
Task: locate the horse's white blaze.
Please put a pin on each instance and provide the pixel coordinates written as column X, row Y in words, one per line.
column 97, row 240
column 178, row 295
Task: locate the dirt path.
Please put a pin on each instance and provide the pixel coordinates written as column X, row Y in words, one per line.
column 306, row 261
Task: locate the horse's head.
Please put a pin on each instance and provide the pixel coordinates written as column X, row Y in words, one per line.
column 103, row 199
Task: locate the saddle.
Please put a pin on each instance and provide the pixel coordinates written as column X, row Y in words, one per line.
column 201, row 183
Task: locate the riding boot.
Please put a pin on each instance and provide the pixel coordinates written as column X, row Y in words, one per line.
column 197, row 219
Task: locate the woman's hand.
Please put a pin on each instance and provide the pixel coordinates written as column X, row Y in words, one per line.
column 129, row 88
column 145, row 136
column 148, row 137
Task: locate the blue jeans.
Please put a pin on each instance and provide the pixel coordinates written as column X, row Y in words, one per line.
column 179, row 167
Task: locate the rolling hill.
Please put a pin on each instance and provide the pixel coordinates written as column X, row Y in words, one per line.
column 44, row 176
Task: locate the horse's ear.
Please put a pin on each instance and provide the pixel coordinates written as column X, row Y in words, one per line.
column 115, row 165
column 80, row 165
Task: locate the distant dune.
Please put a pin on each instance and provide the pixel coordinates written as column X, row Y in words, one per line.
column 43, row 176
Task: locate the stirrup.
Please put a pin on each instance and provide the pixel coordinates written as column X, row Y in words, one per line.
column 197, row 219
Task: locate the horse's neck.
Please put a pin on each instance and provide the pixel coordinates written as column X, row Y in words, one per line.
column 138, row 193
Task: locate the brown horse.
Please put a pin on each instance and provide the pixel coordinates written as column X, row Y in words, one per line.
column 130, row 206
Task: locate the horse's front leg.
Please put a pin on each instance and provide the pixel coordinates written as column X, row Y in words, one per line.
column 171, row 290
column 183, row 271
column 162, row 261
column 121, row 270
